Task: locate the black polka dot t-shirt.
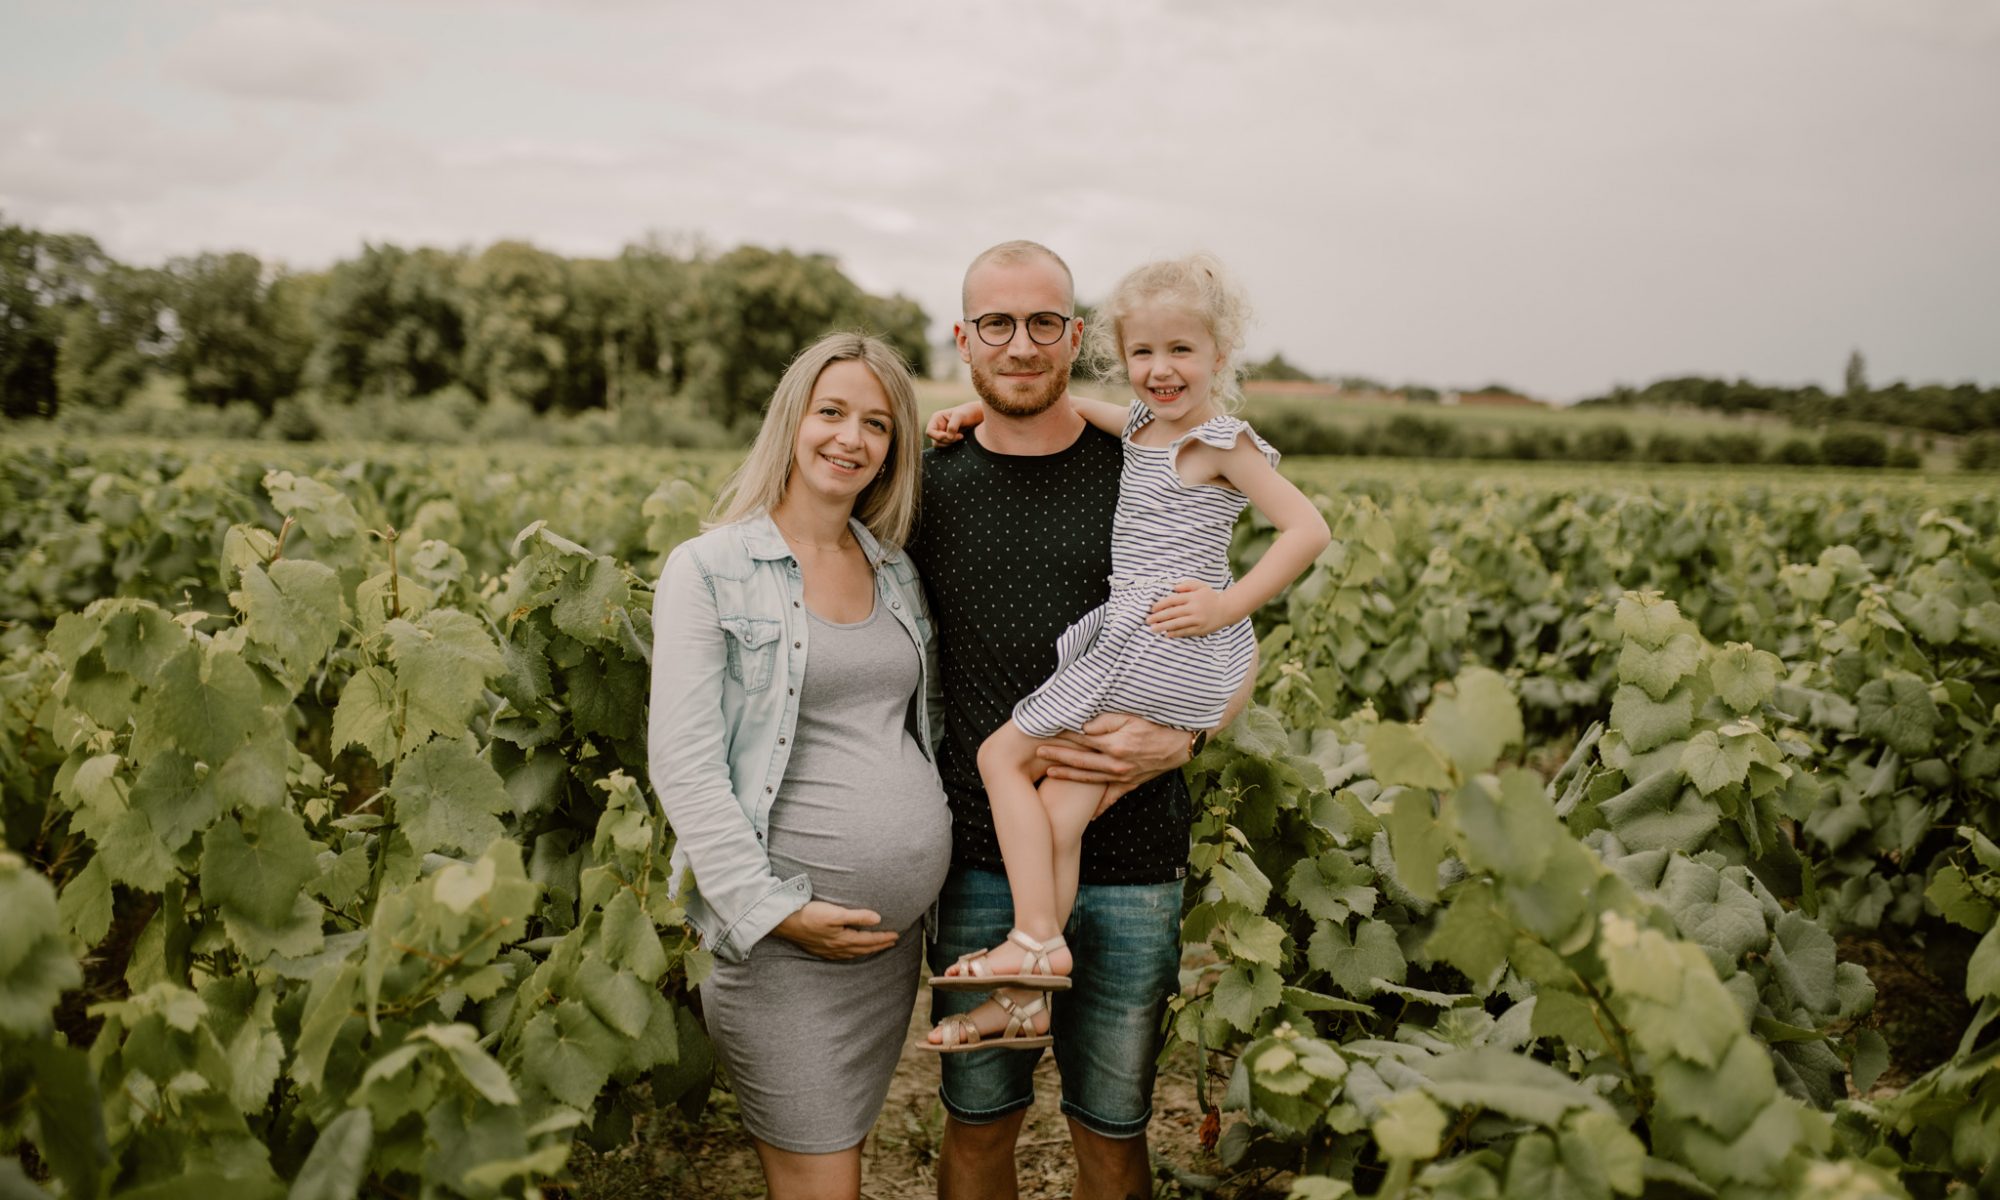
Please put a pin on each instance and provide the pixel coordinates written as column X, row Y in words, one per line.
column 1013, row 549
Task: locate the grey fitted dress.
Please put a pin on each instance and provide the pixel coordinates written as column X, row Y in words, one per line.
column 810, row 1044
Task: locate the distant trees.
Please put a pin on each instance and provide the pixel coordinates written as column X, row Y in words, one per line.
column 1940, row 408
column 511, row 321
column 1276, row 369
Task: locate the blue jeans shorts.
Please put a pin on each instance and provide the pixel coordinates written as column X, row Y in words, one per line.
column 1126, row 942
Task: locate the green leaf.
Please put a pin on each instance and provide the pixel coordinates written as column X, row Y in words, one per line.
column 443, row 661
column 35, row 962
column 138, row 641
column 591, row 600
column 1982, row 974
column 206, row 703
column 170, row 791
column 1744, row 676
column 1712, row 763
column 1400, row 754
column 1244, row 993
column 1573, row 1019
column 1417, row 844
column 134, row 854
column 1510, row 832
column 568, row 1053
column 1471, row 933
column 1644, row 617
column 1659, row 669
column 1355, row 964
column 1331, row 887
column 1802, row 961
column 1899, row 712
column 258, row 866
column 86, row 903
column 294, row 609
column 1727, row 1098
column 630, row 939
column 447, row 798
column 1956, row 899
column 616, row 997
column 1411, row 1126
column 339, row 1159
column 1645, row 722
column 461, row 1044
column 1472, row 721
column 366, row 715
column 1513, row 1085
column 254, row 776
column 69, row 1114
column 1932, row 615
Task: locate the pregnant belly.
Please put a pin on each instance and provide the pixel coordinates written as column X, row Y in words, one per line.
column 883, row 843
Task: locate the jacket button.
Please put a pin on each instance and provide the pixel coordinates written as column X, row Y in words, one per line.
column 797, row 645
column 795, row 604
column 791, row 691
column 767, row 791
column 895, row 604
column 781, row 741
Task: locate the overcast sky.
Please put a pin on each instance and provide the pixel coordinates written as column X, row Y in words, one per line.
column 1557, row 194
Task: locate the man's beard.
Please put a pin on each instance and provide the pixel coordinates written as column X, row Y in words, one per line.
column 1013, row 403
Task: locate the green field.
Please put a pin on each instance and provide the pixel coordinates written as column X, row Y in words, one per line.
column 1596, row 832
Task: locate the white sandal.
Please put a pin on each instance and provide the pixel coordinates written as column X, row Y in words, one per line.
column 961, row 1035
column 1035, row 969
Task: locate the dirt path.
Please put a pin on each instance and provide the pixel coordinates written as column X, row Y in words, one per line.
column 674, row 1159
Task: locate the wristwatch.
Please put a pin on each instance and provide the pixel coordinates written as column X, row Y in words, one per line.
column 1196, row 741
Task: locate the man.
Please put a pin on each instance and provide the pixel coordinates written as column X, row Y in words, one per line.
column 1014, row 545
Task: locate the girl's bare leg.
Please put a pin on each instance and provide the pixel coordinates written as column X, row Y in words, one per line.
column 1023, row 827
column 1009, row 768
column 1070, row 805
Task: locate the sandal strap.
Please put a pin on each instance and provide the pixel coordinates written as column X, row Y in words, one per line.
column 957, row 1030
column 972, row 965
column 1020, row 1017
column 1037, row 962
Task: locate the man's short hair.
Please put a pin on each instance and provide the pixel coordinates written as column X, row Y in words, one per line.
column 1008, row 254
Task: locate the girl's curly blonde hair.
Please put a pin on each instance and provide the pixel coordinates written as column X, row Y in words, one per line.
column 1196, row 284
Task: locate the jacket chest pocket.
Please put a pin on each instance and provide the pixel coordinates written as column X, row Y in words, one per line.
column 753, row 650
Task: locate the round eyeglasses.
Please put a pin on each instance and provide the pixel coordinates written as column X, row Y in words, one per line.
column 1044, row 328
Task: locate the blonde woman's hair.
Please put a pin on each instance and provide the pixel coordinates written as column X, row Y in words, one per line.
column 888, row 505
column 1197, row 284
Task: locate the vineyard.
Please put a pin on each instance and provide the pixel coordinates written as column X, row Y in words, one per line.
column 1580, row 816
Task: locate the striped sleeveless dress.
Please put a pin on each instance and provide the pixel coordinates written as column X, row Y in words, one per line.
column 1162, row 532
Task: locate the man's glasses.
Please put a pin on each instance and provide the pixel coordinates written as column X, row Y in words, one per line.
column 1044, row 328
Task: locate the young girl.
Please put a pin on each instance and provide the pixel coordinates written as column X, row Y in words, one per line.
column 1173, row 642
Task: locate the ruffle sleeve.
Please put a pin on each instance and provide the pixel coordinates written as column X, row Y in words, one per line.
column 1223, row 432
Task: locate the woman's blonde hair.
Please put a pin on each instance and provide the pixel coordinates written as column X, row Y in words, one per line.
column 1197, row 284
column 888, row 505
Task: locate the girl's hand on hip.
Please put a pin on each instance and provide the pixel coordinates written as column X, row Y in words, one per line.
column 1192, row 609
column 832, row 932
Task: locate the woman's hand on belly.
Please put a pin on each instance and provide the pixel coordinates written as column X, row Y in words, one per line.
column 832, row 932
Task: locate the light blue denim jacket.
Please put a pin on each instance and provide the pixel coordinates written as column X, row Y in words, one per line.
column 730, row 639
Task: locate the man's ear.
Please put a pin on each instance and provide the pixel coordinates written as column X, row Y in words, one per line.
column 958, row 335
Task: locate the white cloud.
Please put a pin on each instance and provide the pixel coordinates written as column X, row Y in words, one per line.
column 278, row 54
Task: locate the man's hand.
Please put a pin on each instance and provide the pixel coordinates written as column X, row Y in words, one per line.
column 1118, row 750
column 832, row 932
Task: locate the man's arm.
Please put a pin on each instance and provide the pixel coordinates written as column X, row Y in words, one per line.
column 1122, row 751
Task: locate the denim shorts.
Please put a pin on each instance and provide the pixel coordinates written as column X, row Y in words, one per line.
column 1125, row 940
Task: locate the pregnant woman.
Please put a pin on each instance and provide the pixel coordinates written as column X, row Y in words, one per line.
column 791, row 731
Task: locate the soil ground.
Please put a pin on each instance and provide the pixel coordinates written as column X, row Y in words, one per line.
column 671, row 1158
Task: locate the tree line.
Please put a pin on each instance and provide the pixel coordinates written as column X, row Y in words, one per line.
column 1941, row 408
column 712, row 330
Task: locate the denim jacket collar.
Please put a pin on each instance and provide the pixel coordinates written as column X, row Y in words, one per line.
column 763, row 540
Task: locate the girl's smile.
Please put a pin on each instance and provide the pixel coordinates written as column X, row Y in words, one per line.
column 1171, row 358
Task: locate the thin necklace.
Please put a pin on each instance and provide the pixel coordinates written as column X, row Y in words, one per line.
column 839, row 544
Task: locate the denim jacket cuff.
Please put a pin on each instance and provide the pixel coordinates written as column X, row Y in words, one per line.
column 762, row 917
